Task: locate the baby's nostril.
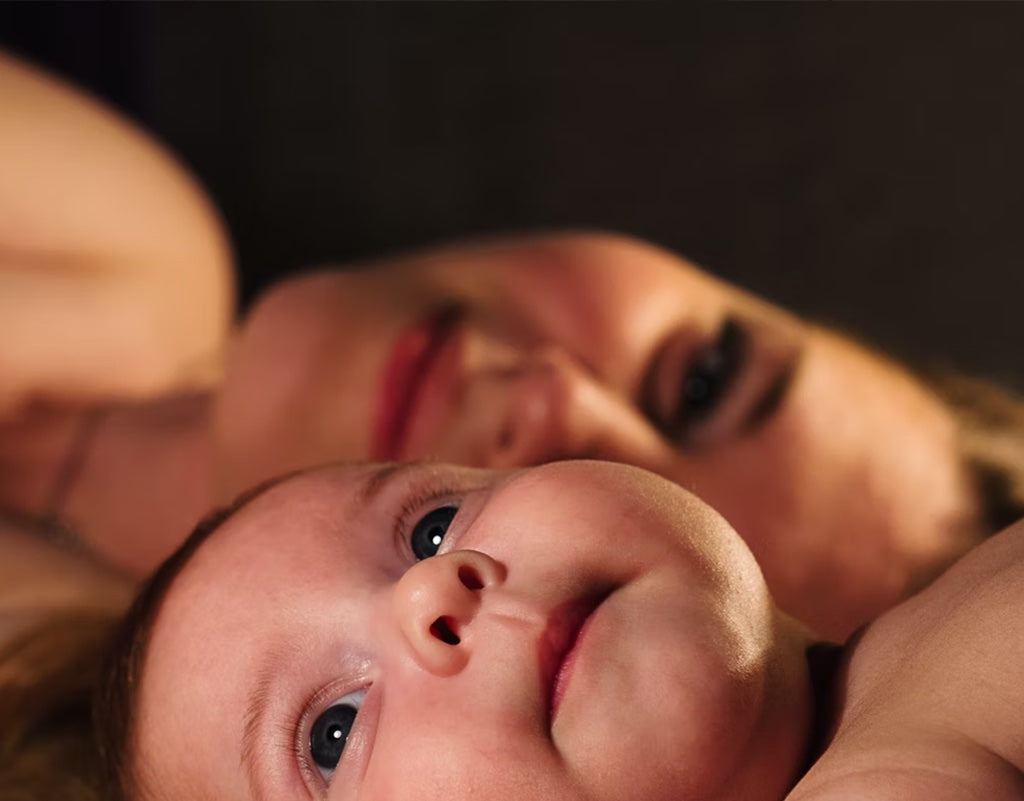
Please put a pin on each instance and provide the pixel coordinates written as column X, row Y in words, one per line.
column 441, row 629
column 470, row 578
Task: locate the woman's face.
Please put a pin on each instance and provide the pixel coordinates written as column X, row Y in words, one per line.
column 838, row 468
column 581, row 630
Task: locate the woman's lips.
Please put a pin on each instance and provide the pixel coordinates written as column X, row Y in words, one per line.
column 560, row 646
column 406, row 379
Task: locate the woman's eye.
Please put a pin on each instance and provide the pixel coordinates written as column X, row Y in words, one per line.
column 709, row 377
column 330, row 732
column 426, row 536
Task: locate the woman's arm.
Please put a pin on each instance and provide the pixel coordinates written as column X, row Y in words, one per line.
column 115, row 271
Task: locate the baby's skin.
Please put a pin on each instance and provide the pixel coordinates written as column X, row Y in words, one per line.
column 433, row 632
column 425, row 631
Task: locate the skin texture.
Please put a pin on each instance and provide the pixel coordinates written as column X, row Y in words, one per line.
column 930, row 699
column 685, row 682
column 848, row 490
column 115, row 273
column 115, row 283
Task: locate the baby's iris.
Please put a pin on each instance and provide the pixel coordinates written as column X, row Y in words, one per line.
column 330, row 732
column 427, row 535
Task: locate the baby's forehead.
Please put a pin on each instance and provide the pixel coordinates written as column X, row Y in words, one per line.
column 333, row 496
column 268, row 545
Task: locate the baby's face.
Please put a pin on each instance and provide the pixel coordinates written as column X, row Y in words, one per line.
column 580, row 630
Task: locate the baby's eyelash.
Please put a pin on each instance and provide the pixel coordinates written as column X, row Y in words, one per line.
column 298, row 729
column 306, row 769
column 425, row 494
column 426, row 491
column 299, row 736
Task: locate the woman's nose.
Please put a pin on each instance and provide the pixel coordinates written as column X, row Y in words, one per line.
column 436, row 602
column 554, row 408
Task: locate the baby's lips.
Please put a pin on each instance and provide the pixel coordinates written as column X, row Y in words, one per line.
column 558, row 645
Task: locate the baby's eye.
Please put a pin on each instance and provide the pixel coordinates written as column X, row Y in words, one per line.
column 330, row 732
column 426, row 536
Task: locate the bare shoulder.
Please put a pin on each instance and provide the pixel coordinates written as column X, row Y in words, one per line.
column 970, row 616
column 930, row 694
column 883, row 781
column 124, row 293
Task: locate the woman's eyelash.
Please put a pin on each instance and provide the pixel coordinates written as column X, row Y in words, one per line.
column 691, row 381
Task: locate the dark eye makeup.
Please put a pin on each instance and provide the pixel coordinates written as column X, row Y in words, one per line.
column 710, row 375
column 703, row 384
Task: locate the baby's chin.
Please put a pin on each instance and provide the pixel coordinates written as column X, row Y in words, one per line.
column 763, row 707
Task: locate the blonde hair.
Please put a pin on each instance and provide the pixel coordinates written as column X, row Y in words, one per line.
column 991, row 432
column 48, row 675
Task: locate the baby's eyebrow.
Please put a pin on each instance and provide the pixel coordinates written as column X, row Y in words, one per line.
column 116, row 699
column 147, row 604
column 379, row 479
column 255, row 715
column 263, row 686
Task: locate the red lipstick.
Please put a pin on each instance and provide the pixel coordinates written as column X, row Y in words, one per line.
column 402, row 381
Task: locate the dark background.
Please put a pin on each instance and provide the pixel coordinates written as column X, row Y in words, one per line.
column 861, row 163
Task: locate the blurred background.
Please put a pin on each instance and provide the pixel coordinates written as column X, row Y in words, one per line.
column 860, row 163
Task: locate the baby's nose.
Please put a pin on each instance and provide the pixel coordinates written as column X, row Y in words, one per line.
column 436, row 602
